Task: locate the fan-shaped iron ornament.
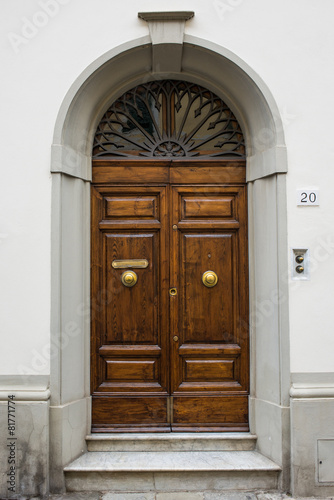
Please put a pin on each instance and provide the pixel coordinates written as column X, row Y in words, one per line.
column 169, row 118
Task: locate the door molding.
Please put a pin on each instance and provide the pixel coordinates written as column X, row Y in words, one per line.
column 254, row 106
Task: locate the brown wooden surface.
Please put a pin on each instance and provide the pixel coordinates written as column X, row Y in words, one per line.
column 207, row 172
column 185, row 218
column 121, row 412
column 162, row 171
column 210, row 410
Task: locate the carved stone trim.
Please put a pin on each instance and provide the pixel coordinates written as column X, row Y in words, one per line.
column 166, row 16
column 25, row 395
column 299, row 391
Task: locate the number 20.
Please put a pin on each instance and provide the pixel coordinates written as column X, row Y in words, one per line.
column 312, row 198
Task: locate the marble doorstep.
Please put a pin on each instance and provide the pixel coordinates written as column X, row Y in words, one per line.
column 100, row 461
column 157, row 472
column 206, row 441
column 208, row 495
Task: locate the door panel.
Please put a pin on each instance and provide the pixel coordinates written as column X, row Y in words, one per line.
column 129, row 414
column 207, row 313
column 130, row 374
column 164, row 362
column 203, row 208
column 131, row 207
column 132, row 315
column 210, row 413
column 210, row 356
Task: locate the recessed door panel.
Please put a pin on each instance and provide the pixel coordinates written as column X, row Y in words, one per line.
column 133, row 311
column 131, row 369
column 207, row 312
column 131, row 207
column 211, row 369
column 213, row 207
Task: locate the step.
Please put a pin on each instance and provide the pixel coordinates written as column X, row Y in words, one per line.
column 161, row 471
column 181, row 441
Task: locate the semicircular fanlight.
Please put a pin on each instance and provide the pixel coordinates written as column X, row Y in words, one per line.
column 169, row 118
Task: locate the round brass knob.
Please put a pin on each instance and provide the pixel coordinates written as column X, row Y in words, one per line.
column 299, row 269
column 209, row 279
column 175, row 338
column 129, row 278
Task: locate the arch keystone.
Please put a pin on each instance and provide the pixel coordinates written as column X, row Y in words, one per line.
column 167, row 33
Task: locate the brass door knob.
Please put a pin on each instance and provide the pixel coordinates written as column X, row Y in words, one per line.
column 175, row 338
column 129, row 278
column 209, row 279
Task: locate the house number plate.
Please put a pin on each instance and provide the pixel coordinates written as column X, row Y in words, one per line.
column 307, row 197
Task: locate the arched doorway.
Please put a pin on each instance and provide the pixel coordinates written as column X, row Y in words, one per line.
column 213, row 67
column 169, row 254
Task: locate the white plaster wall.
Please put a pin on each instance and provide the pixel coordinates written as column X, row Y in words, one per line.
column 289, row 44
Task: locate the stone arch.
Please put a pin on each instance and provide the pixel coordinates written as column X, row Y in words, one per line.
column 242, row 89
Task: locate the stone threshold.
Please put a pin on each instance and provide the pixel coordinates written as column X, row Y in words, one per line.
column 158, row 461
column 181, row 441
column 179, row 495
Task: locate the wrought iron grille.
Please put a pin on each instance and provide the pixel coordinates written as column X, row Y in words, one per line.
column 169, row 118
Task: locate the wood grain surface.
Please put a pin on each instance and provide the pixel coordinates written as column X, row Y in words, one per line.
column 162, row 362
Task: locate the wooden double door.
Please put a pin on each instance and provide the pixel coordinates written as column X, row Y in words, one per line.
column 169, row 281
